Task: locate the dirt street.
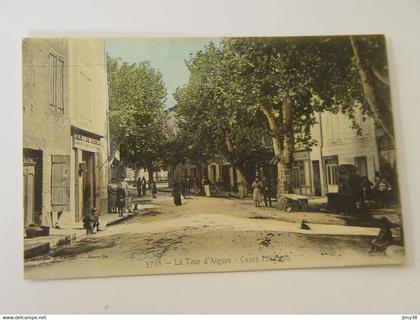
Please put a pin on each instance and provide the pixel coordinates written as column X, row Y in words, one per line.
column 211, row 234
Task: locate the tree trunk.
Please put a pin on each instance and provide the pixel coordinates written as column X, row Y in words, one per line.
column 150, row 173
column 369, row 91
column 242, row 183
column 241, row 180
column 283, row 146
column 284, row 184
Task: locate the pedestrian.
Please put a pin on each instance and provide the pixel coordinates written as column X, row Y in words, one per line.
column 138, row 185
column 367, row 188
column 120, row 199
column 87, row 224
column 206, row 184
column 189, row 186
column 383, row 193
column 257, row 187
column 183, row 188
column 153, row 188
column 95, row 219
column 197, row 186
column 143, row 186
column 384, row 238
column 128, row 198
column 267, row 192
column 176, row 193
column 112, row 189
column 387, row 192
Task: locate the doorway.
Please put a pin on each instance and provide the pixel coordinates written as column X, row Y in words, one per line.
column 331, row 164
column 213, row 173
column 86, row 186
column 317, row 178
column 32, row 186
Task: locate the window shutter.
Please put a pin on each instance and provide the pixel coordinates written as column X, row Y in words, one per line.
column 60, row 182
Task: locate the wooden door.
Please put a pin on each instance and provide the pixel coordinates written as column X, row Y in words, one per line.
column 29, row 193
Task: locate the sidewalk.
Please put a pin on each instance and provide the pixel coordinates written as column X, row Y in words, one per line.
column 34, row 247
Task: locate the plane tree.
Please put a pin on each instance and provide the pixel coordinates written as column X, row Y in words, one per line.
column 137, row 116
column 289, row 80
column 211, row 115
column 248, row 88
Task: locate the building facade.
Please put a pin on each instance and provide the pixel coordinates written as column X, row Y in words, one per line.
column 46, row 130
column 88, row 98
column 65, row 129
column 315, row 171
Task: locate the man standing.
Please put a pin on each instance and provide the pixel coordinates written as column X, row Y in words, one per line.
column 143, row 186
column 267, row 192
column 120, row 199
column 138, row 185
column 153, row 189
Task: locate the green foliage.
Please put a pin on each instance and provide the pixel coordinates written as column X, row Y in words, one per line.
column 230, row 85
column 314, row 74
column 210, row 112
column 137, row 114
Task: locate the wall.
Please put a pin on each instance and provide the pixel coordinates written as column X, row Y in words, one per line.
column 88, row 99
column 336, row 137
column 44, row 128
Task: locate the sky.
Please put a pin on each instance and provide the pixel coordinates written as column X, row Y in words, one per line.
column 165, row 54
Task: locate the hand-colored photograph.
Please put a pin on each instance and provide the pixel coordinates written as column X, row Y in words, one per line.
column 182, row 155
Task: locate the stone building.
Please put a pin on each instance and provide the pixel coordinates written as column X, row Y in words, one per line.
column 65, row 129
column 88, row 98
column 314, row 171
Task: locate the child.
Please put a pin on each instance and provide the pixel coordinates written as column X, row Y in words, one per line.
column 384, row 238
column 87, row 224
column 95, row 219
column 154, row 189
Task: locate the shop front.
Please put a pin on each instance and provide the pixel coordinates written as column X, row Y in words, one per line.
column 87, row 170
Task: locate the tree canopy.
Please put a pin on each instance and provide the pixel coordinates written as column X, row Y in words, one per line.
column 249, row 88
column 137, row 113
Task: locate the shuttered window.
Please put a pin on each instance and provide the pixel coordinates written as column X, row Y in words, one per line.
column 56, row 67
column 60, row 182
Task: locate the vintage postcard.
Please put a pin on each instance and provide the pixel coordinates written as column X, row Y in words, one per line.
column 181, row 155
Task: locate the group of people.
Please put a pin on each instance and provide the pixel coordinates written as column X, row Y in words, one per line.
column 119, row 200
column 365, row 193
column 141, row 185
column 184, row 187
column 261, row 190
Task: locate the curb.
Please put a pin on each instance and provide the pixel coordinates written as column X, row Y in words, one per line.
column 45, row 247
column 121, row 219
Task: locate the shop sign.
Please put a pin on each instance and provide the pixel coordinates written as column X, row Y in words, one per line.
column 81, row 138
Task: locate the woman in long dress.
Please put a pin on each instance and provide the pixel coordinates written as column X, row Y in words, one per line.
column 257, row 187
column 112, row 196
column 206, row 184
column 120, row 199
